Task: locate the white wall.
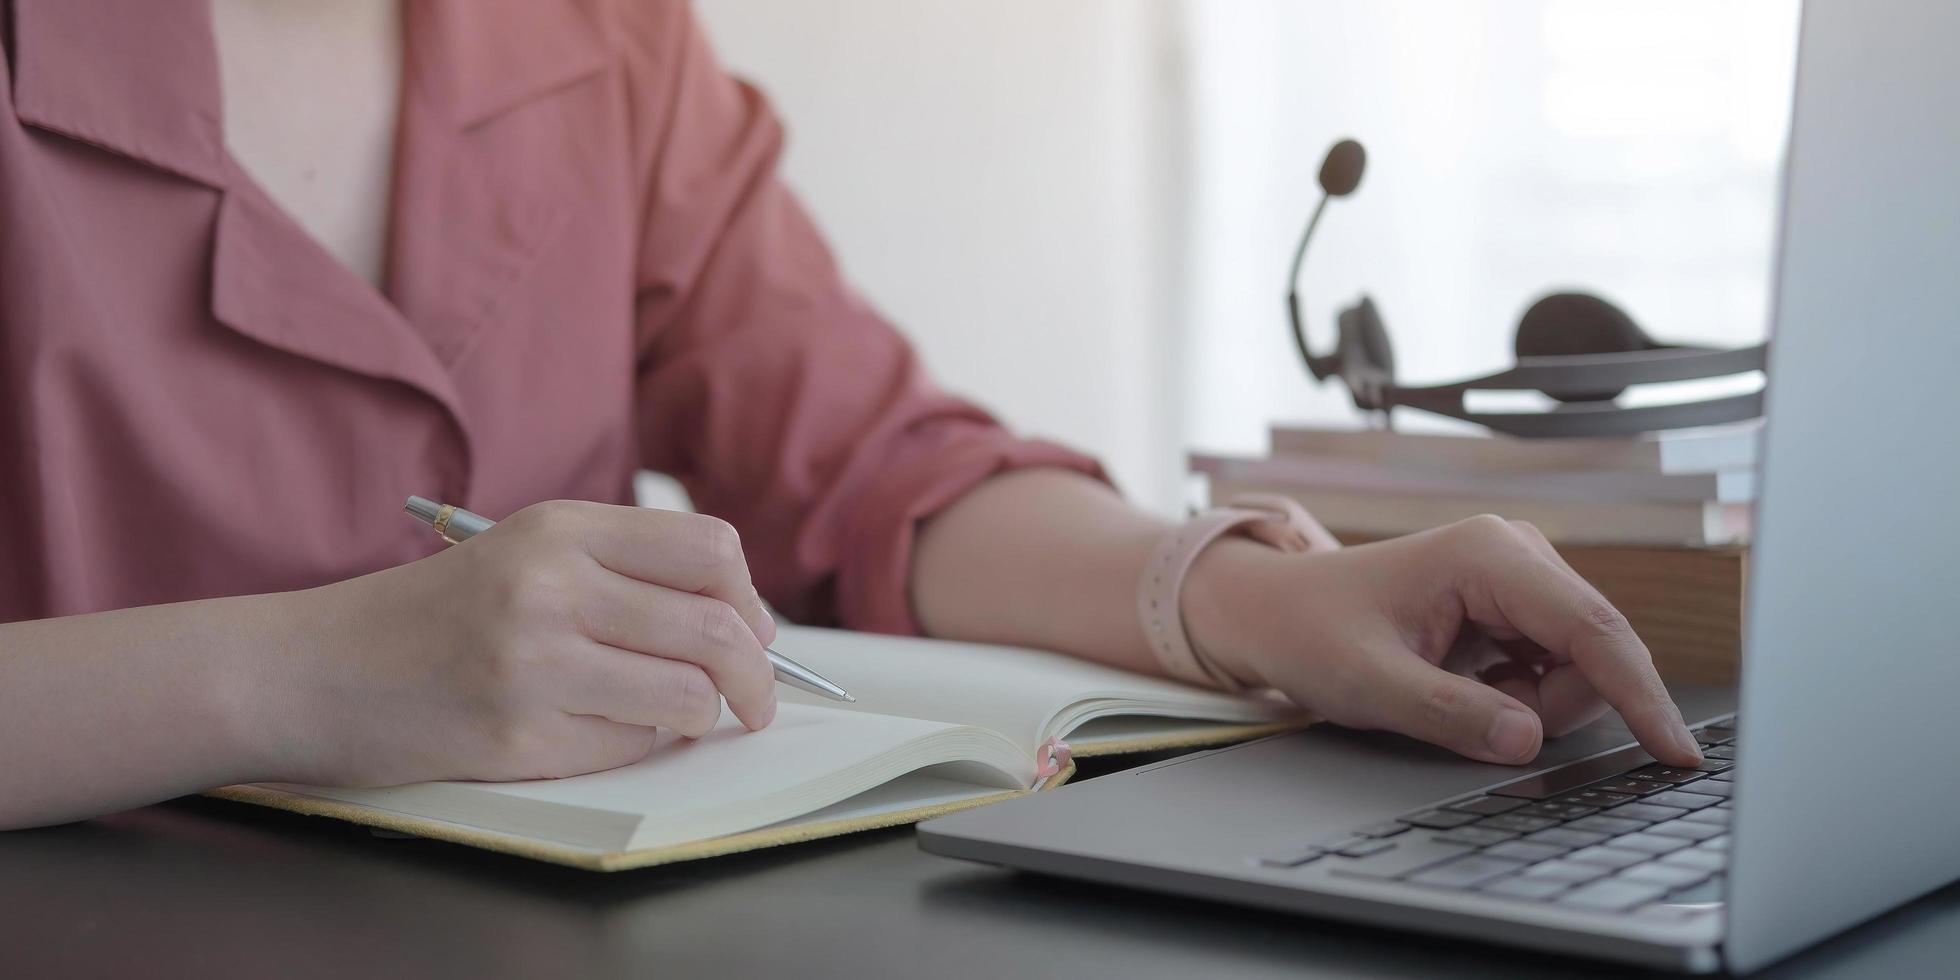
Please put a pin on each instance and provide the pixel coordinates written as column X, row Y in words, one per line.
column 994, row 176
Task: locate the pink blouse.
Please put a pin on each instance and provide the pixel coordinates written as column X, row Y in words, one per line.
column 592, row 268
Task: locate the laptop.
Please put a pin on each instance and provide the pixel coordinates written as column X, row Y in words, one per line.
column 1829, row 792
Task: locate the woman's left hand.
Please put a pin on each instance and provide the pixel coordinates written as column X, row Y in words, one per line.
column 1381, row 636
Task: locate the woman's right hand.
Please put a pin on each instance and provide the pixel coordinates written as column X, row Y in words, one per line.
column 552, row 644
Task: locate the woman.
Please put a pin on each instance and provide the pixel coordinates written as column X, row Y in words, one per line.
column 266, row 268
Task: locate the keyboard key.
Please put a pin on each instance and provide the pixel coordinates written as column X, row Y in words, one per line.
column 1720, row 777
column 1566, row 837
column 1717, row 736
column 1603, row 824
column 1558, row 811
column 1477, row 836
column 1697, row 859
column 1630, row 787
column 1519, row 824
column 1558, row 782
column 1468, row 871
column 1715, row 843
column 1609, row 857
column 1440, row 819
column 1532, row 889
column 1686, row 829
column 1712, row 766
column 1335, row 843
column 1611, row 895
column 1597, row 798
column 1648, row 843
column 1412, row 852
column 1645, row 811
column 1387, row 828
column 1719, row 752
column 1665, row 774
column 1707, row 893
column 1293, row 859
column 1714, row 816
column 1705, row 787
column 1682, row 798
column 1518, row 850
column 1672, row 914
column 1363, row 848
column 1569, row 872
column 1486, row 806
column 1669, row 876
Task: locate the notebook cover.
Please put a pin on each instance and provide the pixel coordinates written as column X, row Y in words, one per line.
column 591, row 860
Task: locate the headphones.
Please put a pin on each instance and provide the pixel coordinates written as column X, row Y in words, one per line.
column 1575, row 347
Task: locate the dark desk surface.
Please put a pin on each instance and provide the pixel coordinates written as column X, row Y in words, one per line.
column 212, row 889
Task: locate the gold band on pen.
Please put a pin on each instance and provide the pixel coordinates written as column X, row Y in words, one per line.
column 441, row 523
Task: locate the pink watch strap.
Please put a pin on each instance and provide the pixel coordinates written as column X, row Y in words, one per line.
column 1268, row 518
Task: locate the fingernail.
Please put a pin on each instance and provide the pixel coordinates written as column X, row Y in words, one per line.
column 1682, row 738
column 1511, row 734
column 1688, row 744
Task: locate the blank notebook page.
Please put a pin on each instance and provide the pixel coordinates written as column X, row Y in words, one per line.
column 1011, row 690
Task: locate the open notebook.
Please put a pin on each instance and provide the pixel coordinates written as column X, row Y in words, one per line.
column 938, row 726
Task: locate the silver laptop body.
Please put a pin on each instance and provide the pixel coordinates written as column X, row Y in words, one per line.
column 1847, row 741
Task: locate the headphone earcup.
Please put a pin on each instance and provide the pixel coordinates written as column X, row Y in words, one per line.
column 1563, row 324
column 1374, row 339
column 1367, row 359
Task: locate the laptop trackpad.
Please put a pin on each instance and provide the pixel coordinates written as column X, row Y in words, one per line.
column 1349, row 778
column 1271, row 795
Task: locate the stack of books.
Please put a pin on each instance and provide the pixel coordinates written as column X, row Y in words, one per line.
column 1659, row 523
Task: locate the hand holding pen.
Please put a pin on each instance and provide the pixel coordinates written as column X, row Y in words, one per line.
column 570, row 637
column 456, row 525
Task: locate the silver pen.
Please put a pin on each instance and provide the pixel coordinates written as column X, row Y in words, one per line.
column 456, row 525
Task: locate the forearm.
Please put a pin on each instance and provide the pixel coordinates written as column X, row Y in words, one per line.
column 1050, row 559
column 111, row 710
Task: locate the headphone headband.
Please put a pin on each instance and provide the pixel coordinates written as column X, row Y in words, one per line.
column 1588, row 418
column 1617, row 370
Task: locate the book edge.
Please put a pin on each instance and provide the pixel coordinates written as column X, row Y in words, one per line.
column 1354, row 475
column 1674, row 452
column 1692, row 532
column 1226, row 734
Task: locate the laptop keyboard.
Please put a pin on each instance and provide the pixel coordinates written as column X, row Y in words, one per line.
column 1602, row 835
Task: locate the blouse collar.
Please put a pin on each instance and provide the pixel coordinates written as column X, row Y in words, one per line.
column 141, row 79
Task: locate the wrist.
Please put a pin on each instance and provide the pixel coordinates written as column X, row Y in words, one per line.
column 206, row 658
column 241, row 680
column 1233, row 606
column 267, row 687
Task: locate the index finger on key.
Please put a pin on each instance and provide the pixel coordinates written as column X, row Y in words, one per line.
column 1514, row 586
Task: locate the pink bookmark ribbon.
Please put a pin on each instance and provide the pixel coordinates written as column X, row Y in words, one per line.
column 1054, row 756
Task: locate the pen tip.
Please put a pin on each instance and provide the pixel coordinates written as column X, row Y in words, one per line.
column 850, row 700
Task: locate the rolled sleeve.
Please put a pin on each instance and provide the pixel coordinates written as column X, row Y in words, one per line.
column 776, row 396
column 917, row 475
